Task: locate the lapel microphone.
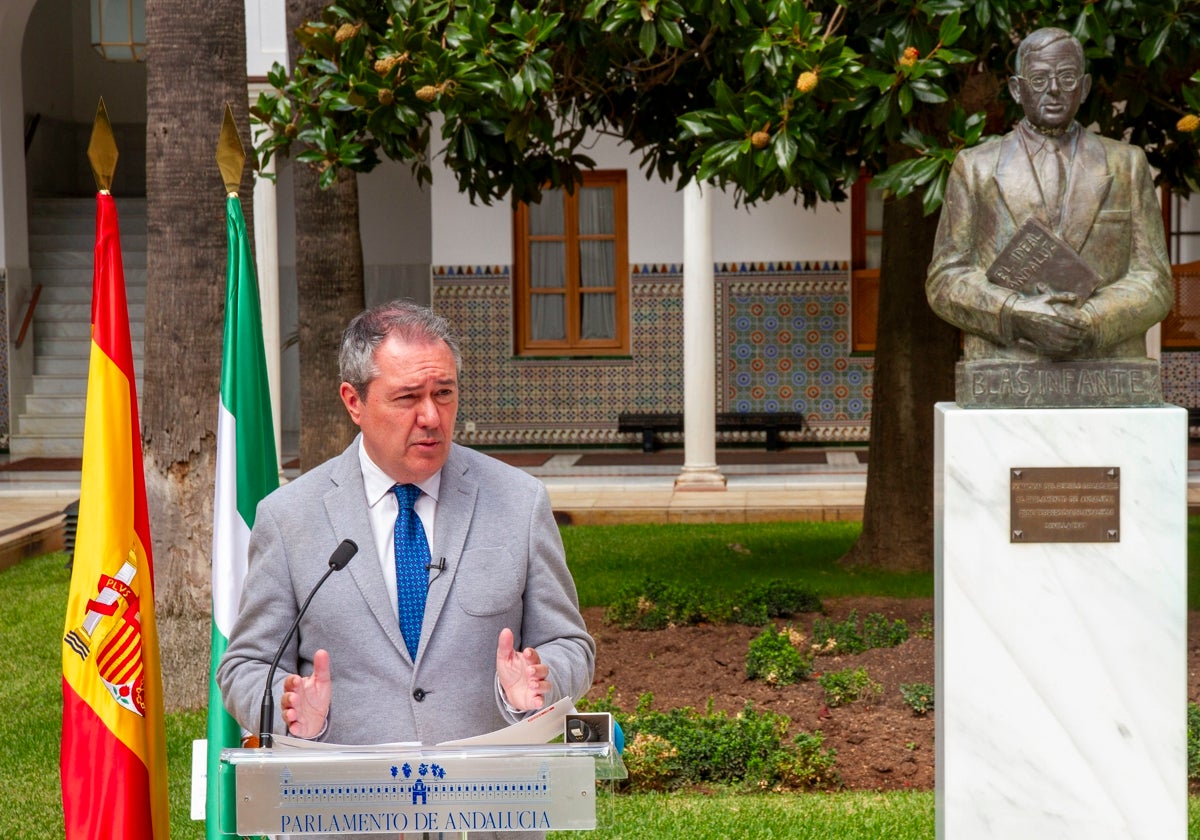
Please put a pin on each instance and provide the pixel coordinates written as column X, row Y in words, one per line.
column 337, row 561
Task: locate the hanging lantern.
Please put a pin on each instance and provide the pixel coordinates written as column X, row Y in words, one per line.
column 119, row 29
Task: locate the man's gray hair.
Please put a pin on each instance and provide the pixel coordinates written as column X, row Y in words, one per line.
column 408, row 321
column 1039, row 39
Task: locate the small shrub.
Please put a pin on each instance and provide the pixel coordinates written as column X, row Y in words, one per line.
column 654, row 605
column 846, row 637
column 878, row 632
column 1193, row 742
column 780, row 599
column 683, row 747
column 842, row 687
column 838, row 637
column 650, row 762
column 811, row 767
column 774, row 657
column 918, row 696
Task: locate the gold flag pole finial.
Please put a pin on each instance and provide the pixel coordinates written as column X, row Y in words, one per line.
column 102, row 149
column 231, row 157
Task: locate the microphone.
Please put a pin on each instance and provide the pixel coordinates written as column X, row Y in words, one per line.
column 337, row 561
column 440, row 565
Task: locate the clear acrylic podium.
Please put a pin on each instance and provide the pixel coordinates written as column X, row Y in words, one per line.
column 414, row 790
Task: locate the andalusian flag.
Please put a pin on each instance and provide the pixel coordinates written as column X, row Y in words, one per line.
column 246, row 472
column 113, row 759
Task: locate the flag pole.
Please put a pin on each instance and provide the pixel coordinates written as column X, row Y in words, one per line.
column 247, row 466
column 113, row 752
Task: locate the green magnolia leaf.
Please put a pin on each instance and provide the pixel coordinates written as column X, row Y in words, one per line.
column 785, row 150
column 951, row 30
column 935, row 193
column 671, row 33
column 927, row 91
column 648, row 38
column 1152, row 47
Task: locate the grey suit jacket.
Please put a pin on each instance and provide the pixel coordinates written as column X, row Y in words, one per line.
column 1110, row 217
column 505, row 567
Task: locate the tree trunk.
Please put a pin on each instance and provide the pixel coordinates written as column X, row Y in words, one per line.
column 195, row 64
column 915, row 354
column 329, row 286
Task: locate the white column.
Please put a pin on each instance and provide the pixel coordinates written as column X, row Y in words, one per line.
column 700, row 471
column 266, row 239
column 266, row 263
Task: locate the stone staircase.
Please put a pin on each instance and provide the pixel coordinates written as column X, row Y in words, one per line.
column 49, row 418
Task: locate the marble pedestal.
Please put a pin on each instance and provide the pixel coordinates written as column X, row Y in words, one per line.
column 1061, row 693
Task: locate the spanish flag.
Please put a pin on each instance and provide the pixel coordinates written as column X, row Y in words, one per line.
column 113, row 759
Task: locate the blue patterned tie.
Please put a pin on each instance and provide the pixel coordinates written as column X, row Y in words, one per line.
column 412, row 566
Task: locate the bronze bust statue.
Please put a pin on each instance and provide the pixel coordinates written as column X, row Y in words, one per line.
column 1050, row 247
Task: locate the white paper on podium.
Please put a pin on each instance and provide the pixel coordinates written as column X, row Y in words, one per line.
column 292, row 743
column 539, row 728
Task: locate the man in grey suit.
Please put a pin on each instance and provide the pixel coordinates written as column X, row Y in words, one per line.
column 500, row 635
column 1095, row 193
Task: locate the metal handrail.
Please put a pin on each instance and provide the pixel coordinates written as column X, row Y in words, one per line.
column 33, row 301
column 31, row 129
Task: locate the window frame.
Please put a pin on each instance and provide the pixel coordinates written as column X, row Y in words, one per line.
column 573, row 291
column 864, row 282
column 1181, row 327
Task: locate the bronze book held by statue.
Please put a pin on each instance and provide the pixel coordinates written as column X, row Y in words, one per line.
column 1036, row 256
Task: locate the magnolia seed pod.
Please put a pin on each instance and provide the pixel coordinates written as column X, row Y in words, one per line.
column 806, row 82
column 347, row 31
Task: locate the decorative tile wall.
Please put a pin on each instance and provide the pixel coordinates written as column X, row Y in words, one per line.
column 1181, row 377
column 782, row 344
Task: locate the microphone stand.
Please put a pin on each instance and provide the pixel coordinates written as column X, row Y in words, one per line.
column 337, row 561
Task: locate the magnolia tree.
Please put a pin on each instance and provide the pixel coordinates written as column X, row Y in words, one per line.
column 764, row 99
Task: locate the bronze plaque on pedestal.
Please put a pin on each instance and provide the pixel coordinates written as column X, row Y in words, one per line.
column 1065, row 504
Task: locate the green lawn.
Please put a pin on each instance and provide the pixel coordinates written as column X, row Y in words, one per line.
column 603, row 560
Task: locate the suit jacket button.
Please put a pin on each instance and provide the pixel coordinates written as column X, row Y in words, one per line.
column 419, row 695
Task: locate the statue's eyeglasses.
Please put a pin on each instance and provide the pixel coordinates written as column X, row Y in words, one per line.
column 1040, row 82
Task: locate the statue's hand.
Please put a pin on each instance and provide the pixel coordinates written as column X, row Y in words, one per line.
column 1052, row 322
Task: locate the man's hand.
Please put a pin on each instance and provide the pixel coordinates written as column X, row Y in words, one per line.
column 1052, row 322
column 523, row 677
column 305, row 701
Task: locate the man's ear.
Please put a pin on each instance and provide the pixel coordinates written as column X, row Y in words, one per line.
column 352, row 401
column 1014, row 88
column 1085, row 86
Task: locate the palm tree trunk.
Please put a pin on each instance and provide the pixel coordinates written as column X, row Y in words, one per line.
column 195, row 63
column 329, row 286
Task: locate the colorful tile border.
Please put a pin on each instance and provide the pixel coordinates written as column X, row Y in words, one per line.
column 511, row 401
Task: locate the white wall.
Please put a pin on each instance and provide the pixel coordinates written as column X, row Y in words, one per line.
column 778, row 230
column 266, row 36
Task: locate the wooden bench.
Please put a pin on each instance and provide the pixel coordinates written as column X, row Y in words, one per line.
column 649, row 424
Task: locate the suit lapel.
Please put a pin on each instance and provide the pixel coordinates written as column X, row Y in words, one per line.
column 345, row 505
column 1017, row 183
column 456, row 506
column 1087, row 187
